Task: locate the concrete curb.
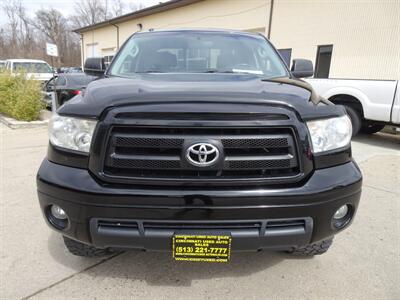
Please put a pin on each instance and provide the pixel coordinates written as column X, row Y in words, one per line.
column 15, row 124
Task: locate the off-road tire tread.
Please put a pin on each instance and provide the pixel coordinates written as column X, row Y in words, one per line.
column 312, row 249
column 80, row 249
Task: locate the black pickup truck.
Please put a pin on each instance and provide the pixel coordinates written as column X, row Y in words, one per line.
column 202, row 143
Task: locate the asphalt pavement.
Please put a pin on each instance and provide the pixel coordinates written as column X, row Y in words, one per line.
column 363, row 263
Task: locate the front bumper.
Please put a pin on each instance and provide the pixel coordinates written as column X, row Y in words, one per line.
column 144, row 218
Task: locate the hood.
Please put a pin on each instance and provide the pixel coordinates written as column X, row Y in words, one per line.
column 40, row 76
column 180, row 88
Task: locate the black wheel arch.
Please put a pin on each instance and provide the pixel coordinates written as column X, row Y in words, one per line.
column 348, row 100
column 354, row 109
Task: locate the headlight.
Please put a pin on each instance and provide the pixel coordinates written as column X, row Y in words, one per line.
column 329, row 134
column 71, row 133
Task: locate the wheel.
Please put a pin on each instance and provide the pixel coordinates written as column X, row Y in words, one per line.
column 355, row 119
column 80, row 249
column 312, row 249
column 371, row 127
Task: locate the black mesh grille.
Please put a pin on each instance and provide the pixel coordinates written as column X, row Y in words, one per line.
column 255, row 142
column 260, row 164
column 198, row 225
column 145, row 164
column 122, row 141
column 149, row 153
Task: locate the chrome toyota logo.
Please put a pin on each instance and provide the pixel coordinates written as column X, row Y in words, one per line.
column 202, row 154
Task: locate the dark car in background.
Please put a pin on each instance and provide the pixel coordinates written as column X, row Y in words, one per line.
column 65, row 86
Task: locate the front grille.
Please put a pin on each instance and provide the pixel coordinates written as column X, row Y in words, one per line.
column 148, row 153
column 142, row 142
column 263, row 227
column 113, row 224
column 176, row 225
column 138, row 163
column 271, row 142
column 260, row 164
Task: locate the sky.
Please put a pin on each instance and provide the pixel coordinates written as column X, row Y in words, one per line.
column 66, row 7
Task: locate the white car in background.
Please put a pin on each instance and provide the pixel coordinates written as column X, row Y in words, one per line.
column 36, row 69
column 370, row 104
column 2, row 64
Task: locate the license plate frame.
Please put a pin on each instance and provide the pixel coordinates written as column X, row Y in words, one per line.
column 201, row 247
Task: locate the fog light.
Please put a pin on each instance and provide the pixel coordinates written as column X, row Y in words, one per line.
column 341, row 212
column 57, row 217
column 58, row 212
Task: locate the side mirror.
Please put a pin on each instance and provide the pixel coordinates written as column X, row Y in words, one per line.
column 302, row 68
column 94, row 66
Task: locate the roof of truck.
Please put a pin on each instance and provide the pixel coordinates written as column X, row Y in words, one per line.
column 199, row 29
column 26, row 60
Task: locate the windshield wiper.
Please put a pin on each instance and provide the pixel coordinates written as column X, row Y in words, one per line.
column 214, row 71
column 150, row 71
column 229, row 72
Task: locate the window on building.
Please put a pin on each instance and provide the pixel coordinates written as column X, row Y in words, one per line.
column 286, row 55
column 323, row 61
column 108, row 59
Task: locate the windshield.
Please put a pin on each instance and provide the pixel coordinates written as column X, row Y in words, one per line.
column 197, row 52
column 32, row 67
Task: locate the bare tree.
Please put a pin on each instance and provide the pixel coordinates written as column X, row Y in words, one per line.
column 25, row 30
column 3, row 42
column 136, row 6
column 10, row 9
column 89, row 12
column 54, row 26
column 118, row 8
column 25, row 37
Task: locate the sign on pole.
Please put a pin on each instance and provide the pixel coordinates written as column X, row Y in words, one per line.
column 51, row 49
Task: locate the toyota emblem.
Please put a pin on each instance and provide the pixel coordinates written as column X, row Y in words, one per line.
column 202, row 154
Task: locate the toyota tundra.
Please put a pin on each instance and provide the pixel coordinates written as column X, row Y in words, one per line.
column 201, row 143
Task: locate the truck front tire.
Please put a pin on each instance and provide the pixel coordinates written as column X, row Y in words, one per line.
column 312, row 249
column 355, row 119
column 80, row 249
column 371, row 127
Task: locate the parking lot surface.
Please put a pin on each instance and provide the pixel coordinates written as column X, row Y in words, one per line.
column 363, row 263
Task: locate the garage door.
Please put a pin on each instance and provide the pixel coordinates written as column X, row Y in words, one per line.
column 92, row 50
